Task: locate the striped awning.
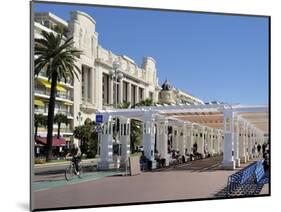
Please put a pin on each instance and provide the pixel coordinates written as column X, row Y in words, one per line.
column 60, row 88
column 39, row 102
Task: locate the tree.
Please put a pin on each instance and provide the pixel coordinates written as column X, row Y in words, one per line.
column 136, row 134
column 124, row 105
column 58, row 56
column 145, row 102
column 60, row 118
column 88, row 136
column 39, row 121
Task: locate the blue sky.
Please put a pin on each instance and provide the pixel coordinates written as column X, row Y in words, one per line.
column 214, row 57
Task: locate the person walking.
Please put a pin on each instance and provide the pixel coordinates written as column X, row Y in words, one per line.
column 259, row 149
column 263, row 148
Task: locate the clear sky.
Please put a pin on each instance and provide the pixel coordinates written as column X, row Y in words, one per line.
column 213, row 57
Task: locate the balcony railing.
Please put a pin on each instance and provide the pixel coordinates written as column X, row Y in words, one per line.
column 43, row 74
column 64, row 112
column 58, row 94
column 64, row 96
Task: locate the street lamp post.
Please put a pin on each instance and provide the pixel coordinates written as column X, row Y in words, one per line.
column 79, row 118
column 116, row 75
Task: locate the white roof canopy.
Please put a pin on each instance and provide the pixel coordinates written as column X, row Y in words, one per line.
column 206, row 115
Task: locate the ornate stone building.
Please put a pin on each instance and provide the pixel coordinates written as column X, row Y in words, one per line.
column 106, row 79
column 171, row 95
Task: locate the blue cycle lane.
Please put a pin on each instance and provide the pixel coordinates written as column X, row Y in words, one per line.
column 55, row 183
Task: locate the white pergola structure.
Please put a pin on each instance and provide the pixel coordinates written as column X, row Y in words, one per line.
column 231, row 130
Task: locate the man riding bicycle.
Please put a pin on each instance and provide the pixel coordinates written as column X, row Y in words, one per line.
column 76, row 157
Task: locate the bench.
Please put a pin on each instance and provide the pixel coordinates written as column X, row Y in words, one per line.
column 244, row 180
column 260, row 176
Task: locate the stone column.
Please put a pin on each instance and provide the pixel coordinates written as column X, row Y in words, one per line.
column 111, row 90
column 236, row 142
column 228, row 159
column 93, row 90
column 189, row 138
column 86, row 85
column 120, row 91
column 149, row 138
column 242, row 141
column 124, row 132
column 129, row 99
column 162, row 139
column 106, row 161
column 137, row 94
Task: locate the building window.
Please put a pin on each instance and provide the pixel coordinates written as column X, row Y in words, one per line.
column 125, row 91
column 83, row 83
column 133, row 95
column 151, row 95
column 140, row 94
column 86, row 83
column 105, row 89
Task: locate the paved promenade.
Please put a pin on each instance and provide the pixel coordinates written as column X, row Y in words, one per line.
column 197, row 179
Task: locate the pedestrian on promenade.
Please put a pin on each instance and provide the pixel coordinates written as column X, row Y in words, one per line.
column 259, row 149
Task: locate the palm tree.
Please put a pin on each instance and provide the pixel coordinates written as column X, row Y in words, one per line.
column 58, row 56
column 60, row 118
column 39, row 121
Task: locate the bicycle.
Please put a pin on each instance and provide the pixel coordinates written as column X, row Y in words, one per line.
column 70, row 171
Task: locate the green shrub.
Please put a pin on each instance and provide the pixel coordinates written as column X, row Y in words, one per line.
column 40, row 161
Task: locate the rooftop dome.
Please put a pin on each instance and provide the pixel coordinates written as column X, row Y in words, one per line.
column 167, row 86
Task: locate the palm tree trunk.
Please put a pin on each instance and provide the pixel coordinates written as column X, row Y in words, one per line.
column 51, row 114
column 36, row 130
column 59, row 130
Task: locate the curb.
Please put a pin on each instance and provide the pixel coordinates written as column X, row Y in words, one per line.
column 62, row 163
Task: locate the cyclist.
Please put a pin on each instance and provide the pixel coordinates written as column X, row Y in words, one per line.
column 76, row 157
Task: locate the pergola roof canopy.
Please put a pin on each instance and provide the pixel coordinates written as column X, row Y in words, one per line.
column 211, row 115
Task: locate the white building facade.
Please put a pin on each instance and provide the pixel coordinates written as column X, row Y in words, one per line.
column 101, row 85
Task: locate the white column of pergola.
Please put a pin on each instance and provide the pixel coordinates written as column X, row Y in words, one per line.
column 209, row 139
column 201, row 142
column 236, row 140
column 220, row 141
column 189, row 138
column 250, row 142
column 124, row 132
column 149, row 137
column 228, row 158
column 175, row 137
column 216, row 141
column 182, row 139
column 242, row 141
column 162, row 139
column 106, row 144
